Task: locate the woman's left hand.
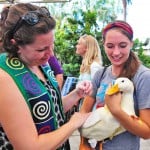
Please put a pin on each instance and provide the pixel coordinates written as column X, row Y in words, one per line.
column 84, row 88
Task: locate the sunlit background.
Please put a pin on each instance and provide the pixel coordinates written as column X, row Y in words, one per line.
column 139, row 17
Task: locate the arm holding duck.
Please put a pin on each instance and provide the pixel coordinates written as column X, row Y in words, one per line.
column 140, row 125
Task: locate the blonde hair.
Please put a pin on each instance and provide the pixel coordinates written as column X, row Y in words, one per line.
column 93, row 53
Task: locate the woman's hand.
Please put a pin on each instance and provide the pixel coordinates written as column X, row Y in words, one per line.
column 84, row 88
column 113, row 102
column 78, row 119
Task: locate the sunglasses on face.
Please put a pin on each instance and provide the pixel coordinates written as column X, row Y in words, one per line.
column 31, row 18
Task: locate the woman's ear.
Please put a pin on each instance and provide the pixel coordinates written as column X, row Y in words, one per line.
column 131, row 45
column 13, row 41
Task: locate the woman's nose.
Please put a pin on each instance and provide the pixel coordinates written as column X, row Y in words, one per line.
column 116, row 50
column 49, row 51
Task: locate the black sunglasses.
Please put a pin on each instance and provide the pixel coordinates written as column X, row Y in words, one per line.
column 31, row 18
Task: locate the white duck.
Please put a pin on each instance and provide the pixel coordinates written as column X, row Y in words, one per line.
column 101, row 124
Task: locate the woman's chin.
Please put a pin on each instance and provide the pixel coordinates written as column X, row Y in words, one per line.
column 117, row 63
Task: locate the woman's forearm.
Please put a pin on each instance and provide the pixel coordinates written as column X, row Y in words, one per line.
column 70, row 100
column 135, row 125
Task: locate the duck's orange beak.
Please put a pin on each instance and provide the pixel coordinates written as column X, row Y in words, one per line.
column 112, row 90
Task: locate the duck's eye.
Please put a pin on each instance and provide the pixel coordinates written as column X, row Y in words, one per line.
column 122, row 81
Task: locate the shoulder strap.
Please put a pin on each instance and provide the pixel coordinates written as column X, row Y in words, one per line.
column 104, row 69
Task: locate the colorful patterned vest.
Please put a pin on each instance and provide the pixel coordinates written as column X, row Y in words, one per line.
column 34, row 92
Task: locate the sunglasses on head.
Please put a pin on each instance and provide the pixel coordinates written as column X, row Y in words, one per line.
column 31, row 18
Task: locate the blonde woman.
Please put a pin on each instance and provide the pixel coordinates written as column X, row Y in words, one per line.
column 88, row 48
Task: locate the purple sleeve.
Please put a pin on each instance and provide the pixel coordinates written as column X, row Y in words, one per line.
column 55, row 65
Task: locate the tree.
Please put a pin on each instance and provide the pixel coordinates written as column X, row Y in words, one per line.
column 125, row 3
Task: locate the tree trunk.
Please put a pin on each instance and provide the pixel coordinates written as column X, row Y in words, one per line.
column 124, row 2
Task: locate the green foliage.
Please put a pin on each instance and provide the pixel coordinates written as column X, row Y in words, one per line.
column 138, row 47
column 144, row 58
column 67, row 34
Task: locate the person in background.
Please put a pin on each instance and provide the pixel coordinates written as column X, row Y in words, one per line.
column 57, row 68
column 118, row 42
column 31, row 107
column 88, row 48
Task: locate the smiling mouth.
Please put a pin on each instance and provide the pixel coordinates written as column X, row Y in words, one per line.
column 117, row 58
